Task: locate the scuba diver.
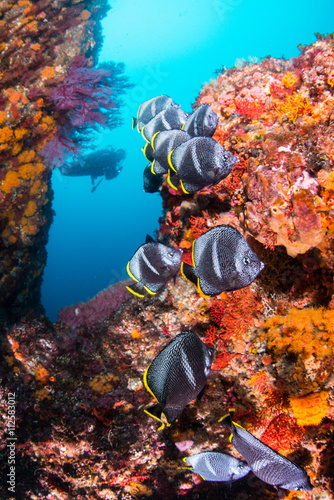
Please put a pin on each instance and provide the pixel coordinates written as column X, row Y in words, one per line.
column 105, row 163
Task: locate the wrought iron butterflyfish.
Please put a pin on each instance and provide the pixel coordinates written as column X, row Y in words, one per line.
column 215, row 466
column 177, row 376
column 168, row 119
column 198, row 163
column 162, row 143
column 152, row 182
column 268, row 465
column 148, row 109
column 152, row 266
column 222, row 261
column 202, row 122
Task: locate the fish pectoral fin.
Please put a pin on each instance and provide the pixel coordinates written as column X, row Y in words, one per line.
column 188, row 272
column 136, row 289
column 201, row 394
column 173, row 180
column 134, row 122
column 172, row 414
column 281, row 493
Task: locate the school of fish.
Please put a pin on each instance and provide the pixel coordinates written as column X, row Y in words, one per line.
column 181, row 150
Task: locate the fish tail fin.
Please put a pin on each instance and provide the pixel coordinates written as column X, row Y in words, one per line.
column 173, row 180
column 136, row 289
column 188, row 272
column 227, row 419
column 134, row 122
column 155, row 412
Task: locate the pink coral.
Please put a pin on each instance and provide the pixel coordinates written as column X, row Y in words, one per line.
column 251, row 102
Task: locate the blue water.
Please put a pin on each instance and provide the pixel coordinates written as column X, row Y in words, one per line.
column 173, row 48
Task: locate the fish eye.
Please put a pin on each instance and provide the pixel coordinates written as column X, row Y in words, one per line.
column 170, row 254
column 246, row 260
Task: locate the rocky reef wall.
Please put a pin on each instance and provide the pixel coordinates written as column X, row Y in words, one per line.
column 38, row 43
column 80, row 422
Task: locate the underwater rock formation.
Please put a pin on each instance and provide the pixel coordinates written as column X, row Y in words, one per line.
column 38, row 43
column 80, row 421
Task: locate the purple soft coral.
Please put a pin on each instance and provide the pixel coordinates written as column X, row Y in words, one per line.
column 96, row 309
column 84, row 101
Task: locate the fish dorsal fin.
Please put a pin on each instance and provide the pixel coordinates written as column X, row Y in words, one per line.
column 170, row 161
column 130, row 273
column 173, row 181
column 152, row 140
column 143, row 134
column 149, row 239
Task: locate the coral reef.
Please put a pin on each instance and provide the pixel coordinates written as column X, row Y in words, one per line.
column 39, row 41
column 80, row 422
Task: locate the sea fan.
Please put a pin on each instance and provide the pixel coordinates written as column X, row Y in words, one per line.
column 88, row 98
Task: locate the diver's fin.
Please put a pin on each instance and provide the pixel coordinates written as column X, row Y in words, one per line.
column 148, row 151
column 149, row 239
column 173, row 180
column 134, row 122
column 200, row 395
column 97, row 185
column 188, row 272
column 136, row 289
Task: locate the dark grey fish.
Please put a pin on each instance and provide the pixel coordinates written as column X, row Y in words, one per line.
column 202, row 122
column 223, row 261
column 215, row 466
column 198, row 163
column 148, row 109
column 152, row 266
column 152, row 181
column 268, row 465
column 168, row 119
column 158, row 150
column 178, row 375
